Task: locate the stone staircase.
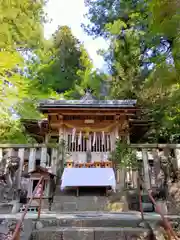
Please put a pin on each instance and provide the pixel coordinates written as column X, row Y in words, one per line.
column 69, row 202
column 90, row 233
column 96, row 226
column 87, row 226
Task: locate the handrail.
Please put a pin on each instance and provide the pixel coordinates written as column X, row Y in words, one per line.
column 167, row 226
column 16, row 233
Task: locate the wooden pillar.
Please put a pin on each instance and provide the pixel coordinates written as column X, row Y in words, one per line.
column 146, row 168
column 60, row 155
column 21, row 157
column 61, row 132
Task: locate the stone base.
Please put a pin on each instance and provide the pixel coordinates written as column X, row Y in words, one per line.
column 90, row 233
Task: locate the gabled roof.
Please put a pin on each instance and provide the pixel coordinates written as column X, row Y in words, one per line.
column 41, row 169
column 87, row 101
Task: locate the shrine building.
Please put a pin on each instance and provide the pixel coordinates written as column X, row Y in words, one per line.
column 89, row 129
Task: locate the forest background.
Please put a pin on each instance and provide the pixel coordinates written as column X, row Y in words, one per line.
column 143, row 62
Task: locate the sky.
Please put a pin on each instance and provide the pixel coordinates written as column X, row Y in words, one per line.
column 70, row 12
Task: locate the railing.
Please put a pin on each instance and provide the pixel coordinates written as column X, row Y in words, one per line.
column 166, row 224
column 16, row 234
column 49, row 156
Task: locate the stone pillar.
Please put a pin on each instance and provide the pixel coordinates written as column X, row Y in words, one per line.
column 43, row 157
column 146, row 169
column 177, row 154
column 21, row 157
column 1, row 154
column 157, row 166
column 32, row 160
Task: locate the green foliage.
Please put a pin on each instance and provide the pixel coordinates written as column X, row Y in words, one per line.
column 21, row 31
column 127, row 60
column 124, row 156
column 11, row 131
column 21, row 23
column 143, row 57
column 66, row 56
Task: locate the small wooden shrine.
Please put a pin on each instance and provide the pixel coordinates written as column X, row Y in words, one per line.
column 35, row 176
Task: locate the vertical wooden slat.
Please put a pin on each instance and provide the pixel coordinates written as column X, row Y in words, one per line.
column 116, row 132
column 60, row 134
column 98, row 142
column 43, row 157
column 21, row 157
column 32, row 160
column 111, row 141
column 146, row 168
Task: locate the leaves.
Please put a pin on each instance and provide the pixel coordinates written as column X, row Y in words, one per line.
column 124, row 156
column 21, row 31
column 143, row 57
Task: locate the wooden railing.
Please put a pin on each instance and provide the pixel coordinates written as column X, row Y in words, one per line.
column 16, row 234
column 49, row 156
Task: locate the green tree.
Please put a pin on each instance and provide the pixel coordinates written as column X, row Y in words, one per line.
column 21, row 24
column 143, row 56
column 59, row 71
column 21, row 32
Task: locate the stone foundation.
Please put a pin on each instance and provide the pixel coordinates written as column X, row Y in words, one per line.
column 90, row 234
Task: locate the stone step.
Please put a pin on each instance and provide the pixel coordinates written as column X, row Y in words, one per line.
column 81, row 203
column 96, row 233
column 96, row 219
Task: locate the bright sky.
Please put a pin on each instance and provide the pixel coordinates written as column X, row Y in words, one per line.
column 70, row 12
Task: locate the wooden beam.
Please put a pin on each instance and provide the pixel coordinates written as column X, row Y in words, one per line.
column 149, row 145
column 155, row 145
column 87, row 110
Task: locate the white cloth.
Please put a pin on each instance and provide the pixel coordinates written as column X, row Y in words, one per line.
column 73, row 134
column 86, row 177
column 80, row 137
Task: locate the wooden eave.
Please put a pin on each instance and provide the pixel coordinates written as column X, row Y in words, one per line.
column 40, row 169
column 88, row 111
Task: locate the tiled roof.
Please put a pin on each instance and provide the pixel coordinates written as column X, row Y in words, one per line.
column 88, row 100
